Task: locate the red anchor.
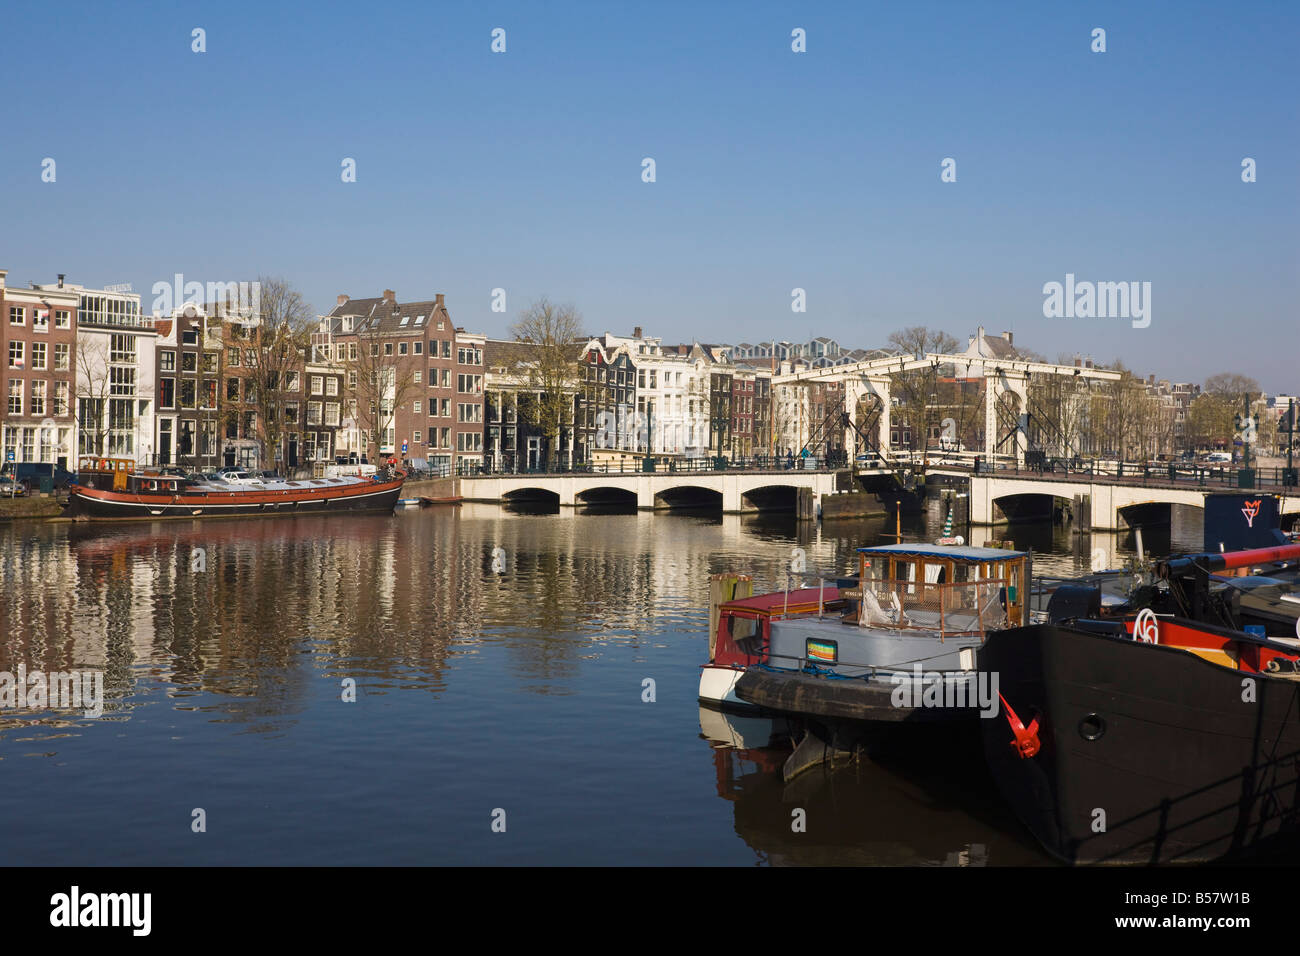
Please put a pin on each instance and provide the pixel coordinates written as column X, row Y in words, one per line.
column 1026, row 743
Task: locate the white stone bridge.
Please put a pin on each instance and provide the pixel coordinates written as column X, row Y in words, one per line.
column 732, row 492
column 1103, row 503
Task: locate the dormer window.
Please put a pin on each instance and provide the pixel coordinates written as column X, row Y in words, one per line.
column 347, row 323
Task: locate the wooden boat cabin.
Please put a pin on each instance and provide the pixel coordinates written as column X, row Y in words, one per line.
column 105, row 474
column 910, row 602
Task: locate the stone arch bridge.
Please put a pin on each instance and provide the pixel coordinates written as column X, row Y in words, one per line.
column 733, row 492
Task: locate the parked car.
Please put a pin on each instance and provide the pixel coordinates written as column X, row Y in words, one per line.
column 10, row 488
column 237, row 476
column 30, row 473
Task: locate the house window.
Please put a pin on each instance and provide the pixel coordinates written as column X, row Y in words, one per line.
column 232, row 389
column 61, row 398
column 189, row 362
column 332, row 414
column 189, row 394
column 416, row 438
column 331, row 386
column 38, row 355
column 419, row 348
column 232, row 357
column 388, row 348
column 121, row 349
column 17, row 354
column 62, row 319
column 446, row 378
column 418, row 374
column 166, row 361
column 446, row 408
column 17, row 315
column 313, row 413
column 291, row 412
column 61, row 360
column 317, row 388
column 40, row 320
column 167, row 392
column 210, row 363
column 401, row 348
column 291, row 385
column 15, row 396
column 38, row 397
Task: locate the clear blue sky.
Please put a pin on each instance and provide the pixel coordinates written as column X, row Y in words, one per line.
column 775, row 170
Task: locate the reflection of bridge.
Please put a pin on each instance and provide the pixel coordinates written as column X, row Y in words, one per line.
column 732, row 492
column 1102, row 502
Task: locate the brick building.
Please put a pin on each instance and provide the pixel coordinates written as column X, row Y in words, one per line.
column 38, row 338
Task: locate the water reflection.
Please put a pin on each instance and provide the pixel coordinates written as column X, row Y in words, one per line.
column 234, row 637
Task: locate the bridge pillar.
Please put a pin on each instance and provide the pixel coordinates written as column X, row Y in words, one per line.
column 731, row 496
column 1001, row 382
column 1104, row 515
column 567, row 488
column 879, row 385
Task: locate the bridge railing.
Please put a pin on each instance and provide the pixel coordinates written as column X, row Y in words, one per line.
column 1166, row 473
column 651, row 465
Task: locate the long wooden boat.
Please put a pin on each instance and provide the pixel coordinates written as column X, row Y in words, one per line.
column 1152, row 740
column 110, row 489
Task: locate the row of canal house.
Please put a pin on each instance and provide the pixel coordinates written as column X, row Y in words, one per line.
column 88, row 374
column 634, row 396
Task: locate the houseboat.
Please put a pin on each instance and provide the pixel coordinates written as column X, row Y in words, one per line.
column 895, row 645
column 112, row 488
column 1146, row 740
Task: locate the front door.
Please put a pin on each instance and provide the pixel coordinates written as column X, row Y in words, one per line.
column 534, row 452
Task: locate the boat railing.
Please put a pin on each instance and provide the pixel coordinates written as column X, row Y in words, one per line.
column 950, row 609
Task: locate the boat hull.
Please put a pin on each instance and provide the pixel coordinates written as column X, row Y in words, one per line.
column 99, row 505
column 1149, row 754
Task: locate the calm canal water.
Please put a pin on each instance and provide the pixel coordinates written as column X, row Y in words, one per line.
column 476, row 691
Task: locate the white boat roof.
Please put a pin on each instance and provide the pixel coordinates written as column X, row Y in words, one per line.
column 957, row 552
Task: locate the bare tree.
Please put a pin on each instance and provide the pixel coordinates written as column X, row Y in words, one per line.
column 548, row 339
column 280, row 335
column 92, row 392
column 385, row 381
column 918, row 390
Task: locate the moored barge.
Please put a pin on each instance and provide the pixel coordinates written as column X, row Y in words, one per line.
column 110, row 489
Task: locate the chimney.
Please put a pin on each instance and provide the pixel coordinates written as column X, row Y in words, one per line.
column 341, row 299
column 1089, row 364
column 636, row 332
column 3, row 273
column 1151, row 379
column 1078, row 362
column 1007, row 336
column 437, row 301
column 390, row 296
column 60, row 280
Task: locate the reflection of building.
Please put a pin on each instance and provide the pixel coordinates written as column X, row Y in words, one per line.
column 38, row 340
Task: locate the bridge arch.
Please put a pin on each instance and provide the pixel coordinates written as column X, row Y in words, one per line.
column 536, row 500
column 607, row 498
column 1020, row 507
column 688, row 498
column 774, row 497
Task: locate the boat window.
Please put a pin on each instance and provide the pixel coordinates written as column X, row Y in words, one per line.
column 933, row 573
column 743, row 627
